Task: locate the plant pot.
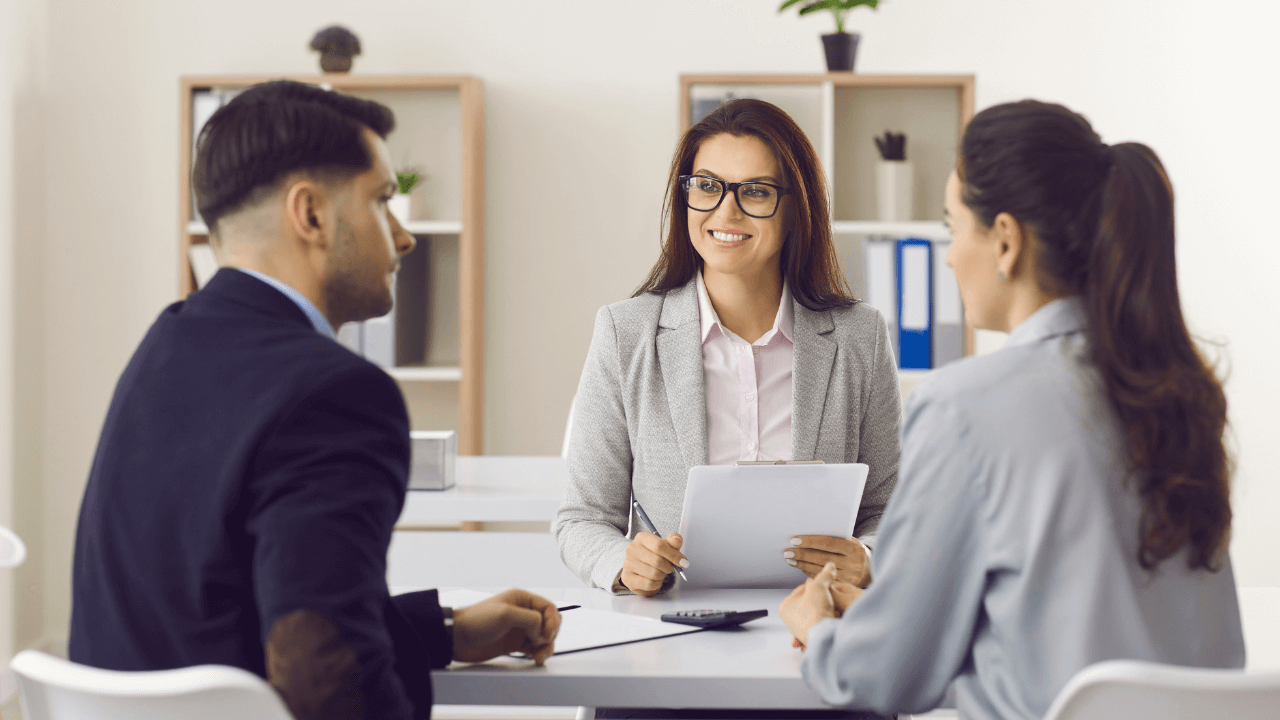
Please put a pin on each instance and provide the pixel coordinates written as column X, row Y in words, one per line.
column 842, row 50
column 335, row 62
column 895, row 188
column 399, row 206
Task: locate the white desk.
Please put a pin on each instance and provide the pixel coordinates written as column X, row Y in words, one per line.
column 476, row 559
column 492, row 489
column 753, row 667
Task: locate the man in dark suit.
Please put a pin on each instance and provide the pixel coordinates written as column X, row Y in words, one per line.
column 250, row 468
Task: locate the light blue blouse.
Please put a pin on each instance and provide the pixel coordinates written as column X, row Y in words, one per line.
column 1007, row 556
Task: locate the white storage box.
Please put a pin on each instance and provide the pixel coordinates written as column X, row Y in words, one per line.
column 435, row 454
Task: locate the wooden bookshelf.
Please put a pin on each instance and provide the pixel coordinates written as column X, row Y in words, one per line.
column 439, row 129
column 840, row 112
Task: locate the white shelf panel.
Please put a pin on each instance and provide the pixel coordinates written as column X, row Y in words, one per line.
column 923, row 228
column 417, row 227
column 434, row 227
column 426, row 374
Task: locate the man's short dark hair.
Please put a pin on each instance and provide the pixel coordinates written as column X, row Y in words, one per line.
column 276, row 128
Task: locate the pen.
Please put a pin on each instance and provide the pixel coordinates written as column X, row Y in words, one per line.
column 648, row 525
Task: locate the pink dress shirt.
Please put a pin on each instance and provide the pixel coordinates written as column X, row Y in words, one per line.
column 748, row 386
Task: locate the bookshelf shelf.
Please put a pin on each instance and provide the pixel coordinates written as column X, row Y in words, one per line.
column 922, row 229
column 417, row 227
column 434, row 227
column 437, row 328
column 426, row 374
column 841, row 113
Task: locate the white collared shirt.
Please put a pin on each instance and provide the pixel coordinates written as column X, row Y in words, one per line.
column 748, row 386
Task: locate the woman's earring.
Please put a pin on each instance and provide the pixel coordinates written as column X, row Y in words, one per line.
column 1002, row 276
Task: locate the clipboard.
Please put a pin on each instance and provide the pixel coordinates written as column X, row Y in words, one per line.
column 739, row 519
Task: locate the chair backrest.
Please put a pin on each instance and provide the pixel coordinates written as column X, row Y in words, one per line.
column 1132, row 690
column 56, row 689
column 568, row 428
column 12, row 551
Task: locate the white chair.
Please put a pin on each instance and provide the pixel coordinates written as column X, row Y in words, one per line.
column 56, row 689
column 12, row 551
column 568, row 428
column 1131, row 690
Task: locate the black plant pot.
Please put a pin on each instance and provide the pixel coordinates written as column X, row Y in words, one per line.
column 842, row 50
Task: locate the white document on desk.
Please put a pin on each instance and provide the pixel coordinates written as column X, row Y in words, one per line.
column 587, row 629
column 739, row 519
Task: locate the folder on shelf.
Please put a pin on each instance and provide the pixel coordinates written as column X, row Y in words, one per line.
column 204, row 264
column 379, row 341
column 915, row 311
column 880, row 282
column 352, row 336
column 948, row 312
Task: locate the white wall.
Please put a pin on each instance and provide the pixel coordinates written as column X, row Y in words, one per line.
column 581, row 94
column 22, row 51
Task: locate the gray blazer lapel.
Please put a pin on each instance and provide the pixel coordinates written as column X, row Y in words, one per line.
column 815, row 355
column 680, row 361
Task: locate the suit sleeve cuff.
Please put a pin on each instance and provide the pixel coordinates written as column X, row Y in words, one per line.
column 421, row 611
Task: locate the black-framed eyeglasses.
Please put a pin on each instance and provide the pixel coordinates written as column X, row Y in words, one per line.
column 757, row 199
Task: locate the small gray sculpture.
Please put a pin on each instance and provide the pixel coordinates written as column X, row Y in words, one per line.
column 337, row 45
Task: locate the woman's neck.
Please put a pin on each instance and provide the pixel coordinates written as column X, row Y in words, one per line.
column 746, row 305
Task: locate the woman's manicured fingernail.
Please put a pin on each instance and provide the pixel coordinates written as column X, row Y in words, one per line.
column 788, row 554
column 792, row 563
column 797, row 541
column 684, row 562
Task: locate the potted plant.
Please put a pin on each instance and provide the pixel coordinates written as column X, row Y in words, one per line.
column 336, row 45
column 894, row 179
column 399, row 204
column 841, row 47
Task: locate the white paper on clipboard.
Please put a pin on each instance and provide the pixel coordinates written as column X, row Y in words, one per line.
column 739, row 519
column 586, row 628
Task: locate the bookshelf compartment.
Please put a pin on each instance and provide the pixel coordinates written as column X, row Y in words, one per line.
column 804, row 103
column 438, row 323
column 432, row 405
column 427, row 138
column 930, row 118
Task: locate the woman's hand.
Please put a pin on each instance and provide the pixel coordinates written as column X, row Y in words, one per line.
column 811, row 552
column 512, row 621
column 809, row 604
column 650, row 559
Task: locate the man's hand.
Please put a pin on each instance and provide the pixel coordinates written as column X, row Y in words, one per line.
column 512, row 621
column 650, row 559
column 809, row 604
column 811, row 552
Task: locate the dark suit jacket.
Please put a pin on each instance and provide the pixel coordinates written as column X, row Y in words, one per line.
column 239, row 510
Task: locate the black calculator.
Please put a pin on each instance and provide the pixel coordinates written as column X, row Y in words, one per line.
column 713, row 618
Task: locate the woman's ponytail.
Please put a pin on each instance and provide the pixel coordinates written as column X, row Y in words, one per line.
column 1103, row 218
column 1166, row 397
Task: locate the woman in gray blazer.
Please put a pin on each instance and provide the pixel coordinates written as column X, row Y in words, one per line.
column 743, row 344
column 1063, row 501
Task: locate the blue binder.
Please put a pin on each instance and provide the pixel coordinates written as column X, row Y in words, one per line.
column 915, row 304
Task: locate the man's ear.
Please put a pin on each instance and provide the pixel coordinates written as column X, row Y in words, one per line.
column 1010, row 244
column 305, row 206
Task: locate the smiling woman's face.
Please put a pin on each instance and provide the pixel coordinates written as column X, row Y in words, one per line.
column 729, row 241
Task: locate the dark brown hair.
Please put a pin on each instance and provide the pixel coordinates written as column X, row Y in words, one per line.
column 1102, row 217
column 276, row 128
column 808, row 259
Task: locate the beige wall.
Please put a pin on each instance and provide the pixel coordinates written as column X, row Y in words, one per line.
column 580, row 95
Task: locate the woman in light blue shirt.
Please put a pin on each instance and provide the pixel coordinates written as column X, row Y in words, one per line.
column 1063, row 501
